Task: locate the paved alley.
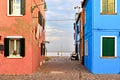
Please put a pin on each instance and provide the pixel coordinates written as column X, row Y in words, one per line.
column 61, row 68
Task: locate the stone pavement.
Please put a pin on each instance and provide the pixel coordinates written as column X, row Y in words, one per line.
column 61, row 68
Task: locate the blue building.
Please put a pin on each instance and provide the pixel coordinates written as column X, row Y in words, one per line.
column 77, row 35
column 102, row 36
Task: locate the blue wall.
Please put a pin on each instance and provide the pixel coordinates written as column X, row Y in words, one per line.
column 98, row 25
column 78, row 38
column 88, row 35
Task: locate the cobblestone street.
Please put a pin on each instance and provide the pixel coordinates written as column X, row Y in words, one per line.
column 61, row 68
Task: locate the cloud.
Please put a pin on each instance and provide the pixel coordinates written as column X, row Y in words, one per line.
column 52, row 30
column 52, row 38
column 60, row 32
column 56, row 2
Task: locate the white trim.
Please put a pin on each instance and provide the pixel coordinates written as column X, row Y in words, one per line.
column 8, row 10
column 115, row 6
column 14, row 56
column 14, row 15
column 100, row 5
column 115, row 45
column 14, row 37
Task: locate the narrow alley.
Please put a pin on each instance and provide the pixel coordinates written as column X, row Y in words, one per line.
column 61, row 68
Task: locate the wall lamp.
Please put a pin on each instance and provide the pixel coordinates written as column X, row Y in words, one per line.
column 45, row 42
column 36, row 6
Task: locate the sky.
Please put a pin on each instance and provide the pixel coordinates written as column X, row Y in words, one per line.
column 59, row 24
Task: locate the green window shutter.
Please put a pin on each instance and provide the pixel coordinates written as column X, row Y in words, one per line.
column 41, row 48
column 40, row 18
column 43, row 23
column 6, row 47
column 10, row 6
column 23, row 7
column 104, row 5
column 111, row 6
column 108, row 46
column 22, row 47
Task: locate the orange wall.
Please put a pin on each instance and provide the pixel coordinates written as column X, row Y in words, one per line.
column 37, row 58
column 20, row 26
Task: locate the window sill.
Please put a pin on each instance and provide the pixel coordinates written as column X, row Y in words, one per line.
column 108, row 57
column 19, row 15
column 108, row 13
column 14, row 56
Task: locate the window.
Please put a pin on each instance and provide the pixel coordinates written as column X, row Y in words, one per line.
column 14, row 47
column 40, row 18
column 85, row 16
column 42, row 49
column 108, row 6
column 16, row 7
column 86, row 47
column 108, row 46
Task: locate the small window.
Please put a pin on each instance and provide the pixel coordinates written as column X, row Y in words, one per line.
column 108, row 6
column 108, row 46
column 14, row 47
column 42, row 49
column 85, row 16
column 86, row 47
column 16, row 7
column 40, row 18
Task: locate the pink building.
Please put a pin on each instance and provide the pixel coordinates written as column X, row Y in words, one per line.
column 22, row 36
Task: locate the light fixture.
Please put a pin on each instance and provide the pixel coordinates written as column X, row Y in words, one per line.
column 33, row 7
column 45, row 42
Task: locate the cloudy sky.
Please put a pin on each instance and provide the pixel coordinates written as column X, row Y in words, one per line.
column 59, row 24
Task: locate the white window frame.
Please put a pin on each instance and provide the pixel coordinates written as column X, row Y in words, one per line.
column 12, row 14
column 14, row 37
column 115, row 6
column 115, row 45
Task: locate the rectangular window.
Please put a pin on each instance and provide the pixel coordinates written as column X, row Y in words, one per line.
column 42, row 49
column 86, row 48
column 16, row 7
column 108, row 46
column 108, row 6
column 40, row 18
column 14, row 47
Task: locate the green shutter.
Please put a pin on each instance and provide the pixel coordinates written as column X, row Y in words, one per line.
column 41, row 48
column 104, row 5
column 40, row 18
column 43, row 23
column 6, row 47
column 23, row 7
column 108, row 46
column 22, row 47
column 10, row 6
column 111, row 6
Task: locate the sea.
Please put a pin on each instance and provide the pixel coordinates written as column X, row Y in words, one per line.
column 55, row 53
